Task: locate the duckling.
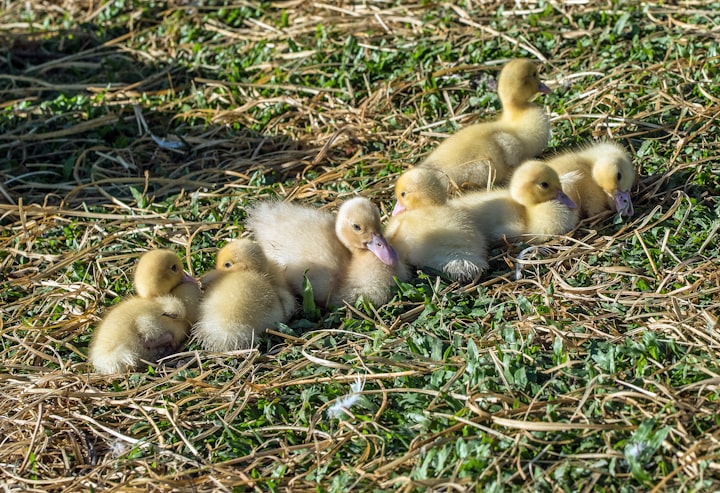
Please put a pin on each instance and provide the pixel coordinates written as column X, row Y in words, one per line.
column 427, row 232
column 342, row 256
column 597, row 178
column 374, row 262
column 482, row 154
column 245, row 255
column 534, row 204
column 420, row 187
column 151, row 325
column 243, row 300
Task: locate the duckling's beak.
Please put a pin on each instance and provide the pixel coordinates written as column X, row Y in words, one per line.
column 188, row 278
column 565, row 200
column 382, row 250
column 542, row 88
column 398, row 208
column 623, row 203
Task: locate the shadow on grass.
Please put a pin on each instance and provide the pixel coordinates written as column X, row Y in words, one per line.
column 88, row 121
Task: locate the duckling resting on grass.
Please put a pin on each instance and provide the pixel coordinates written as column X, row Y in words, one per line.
column 243, row 299
column 343, row 256
column 427, row 232
column 535, row 204
column 480, row 155
column 597, row 178
column 151, row 325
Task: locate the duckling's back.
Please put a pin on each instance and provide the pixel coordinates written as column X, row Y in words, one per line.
column 495, row 214
column 442, row 238
column 301, row 240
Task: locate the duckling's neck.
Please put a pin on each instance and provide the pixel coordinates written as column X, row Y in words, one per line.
column 529, row 123
column 518, row 111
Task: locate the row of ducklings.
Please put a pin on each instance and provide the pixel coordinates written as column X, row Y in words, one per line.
column 543, row 199
column 254, row 285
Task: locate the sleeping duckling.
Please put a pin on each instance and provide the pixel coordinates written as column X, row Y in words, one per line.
column 427, row 232
column 245, row 253
column 151, row 325
column 482, row 154
column 597, row 178
column 242, row 301
column 342, row 257
column 534, row 204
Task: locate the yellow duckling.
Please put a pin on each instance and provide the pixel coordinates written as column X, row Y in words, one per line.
column 486, row 153
column 427, row 232
column 535, row 204
column 597, row 178
column 243, row 299
column 151, row 325
column 343, row 256
column 420, row 187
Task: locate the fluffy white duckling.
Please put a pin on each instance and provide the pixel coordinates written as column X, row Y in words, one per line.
column 427, row 232
column 343, row 256
column 485, row 153
column 151, row 325
column 597, row 178
column 534, row 204
column 243, row 299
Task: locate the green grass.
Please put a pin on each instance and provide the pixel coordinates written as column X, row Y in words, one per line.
column 597, row 371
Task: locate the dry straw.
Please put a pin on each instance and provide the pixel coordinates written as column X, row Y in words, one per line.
column 64, row 428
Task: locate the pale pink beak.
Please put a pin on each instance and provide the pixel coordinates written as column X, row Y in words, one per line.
column 565, row 200
column 188, row 278
column 623, row 203
column 397, row 209
column 383, row 250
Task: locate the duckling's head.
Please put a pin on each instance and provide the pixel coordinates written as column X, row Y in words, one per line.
column 419, row 187
column 158, row 272
column 242, row 254
column 519, row 81
column 358, row 228
column 615, row 174
column 534, row 182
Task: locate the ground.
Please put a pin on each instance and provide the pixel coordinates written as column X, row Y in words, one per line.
column 134, row 125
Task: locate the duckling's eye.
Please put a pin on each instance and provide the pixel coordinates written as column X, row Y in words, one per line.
column 403, row 194
column 544, row 185
column 356, row 227
column 619, row 176
column 227, row 265
column 173, row 268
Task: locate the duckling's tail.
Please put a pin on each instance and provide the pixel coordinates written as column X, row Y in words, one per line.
column 215, row 333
